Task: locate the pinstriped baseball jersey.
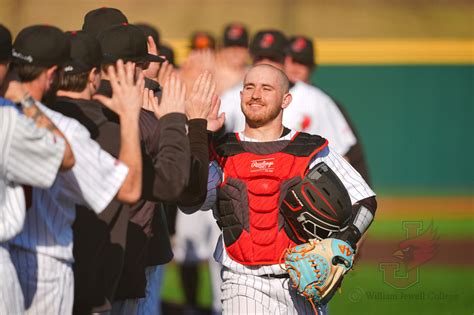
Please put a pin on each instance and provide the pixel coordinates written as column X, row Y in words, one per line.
column 310, row 110
column 28, row 155
column 93, row 181
column 355, row 185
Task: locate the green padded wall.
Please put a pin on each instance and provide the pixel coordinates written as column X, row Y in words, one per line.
column 415, row 123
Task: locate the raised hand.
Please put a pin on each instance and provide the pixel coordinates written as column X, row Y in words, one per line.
column 199, row 102
column 152, row 71
column 214, row 120
column 172, row 98
column 166, row 69
column 127, row 94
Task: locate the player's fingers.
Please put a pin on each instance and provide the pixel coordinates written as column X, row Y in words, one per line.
column 120, row 68
column 130, row 73
column 114, row 80
column 152, row 46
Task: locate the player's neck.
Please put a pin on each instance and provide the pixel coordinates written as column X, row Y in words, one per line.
column 34, row 88
column 84, row 95
column 268, row 132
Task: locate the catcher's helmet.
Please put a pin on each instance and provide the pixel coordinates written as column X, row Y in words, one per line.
column 317, row 207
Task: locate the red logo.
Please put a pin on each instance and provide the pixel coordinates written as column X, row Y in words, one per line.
column 299, row 44
column 202, row 41
column 262, row 165
column 305, row 123
column 267, row 41
column 235, row 32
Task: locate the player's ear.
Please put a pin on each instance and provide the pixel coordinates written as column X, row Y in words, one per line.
column 50, row 72
column 287, row 98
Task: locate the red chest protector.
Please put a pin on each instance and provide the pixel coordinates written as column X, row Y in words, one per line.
column 257, row 176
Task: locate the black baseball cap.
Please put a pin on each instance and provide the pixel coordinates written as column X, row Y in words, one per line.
column 236, row 34
column 85, row 53
column 5, row 44
column 168, row 53
column 300, row 49
column 98, row 20
column 41, row 45
column 126, row 42
column 268, row 44
column 150, row 31
column 202, row 40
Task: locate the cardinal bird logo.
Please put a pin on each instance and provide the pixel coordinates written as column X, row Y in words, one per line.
column 419, row 250
column 419, row 247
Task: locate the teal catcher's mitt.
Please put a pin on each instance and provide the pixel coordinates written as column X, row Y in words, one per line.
column 316, row 268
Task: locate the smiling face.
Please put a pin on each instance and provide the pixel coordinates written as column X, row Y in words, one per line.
column 264, row 96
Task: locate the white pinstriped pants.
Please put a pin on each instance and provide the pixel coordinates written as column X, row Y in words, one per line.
column 250, row 294
column 11, row 297
column 47, row 283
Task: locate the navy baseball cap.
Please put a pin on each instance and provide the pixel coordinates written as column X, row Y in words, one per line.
column 41, row 45
column 236, row 34
column 85, row 53
column 98, row 20
column 202, row 40
column 5, row 44
column 300, row 49
column 268, row 44
column 126, row 42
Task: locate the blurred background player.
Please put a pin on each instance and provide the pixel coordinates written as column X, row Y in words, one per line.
column 299, row 66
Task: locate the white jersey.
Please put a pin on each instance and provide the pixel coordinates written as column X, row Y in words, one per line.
column 28, row 155
column 353, row 182
column 93, row 181
column 311, row 111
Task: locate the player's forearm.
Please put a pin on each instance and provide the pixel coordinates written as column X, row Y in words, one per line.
column 172, row 163
column 42, row 121
column 195, row 192
column 130, row 155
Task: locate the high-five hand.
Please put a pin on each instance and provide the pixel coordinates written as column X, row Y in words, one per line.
column 126, row 100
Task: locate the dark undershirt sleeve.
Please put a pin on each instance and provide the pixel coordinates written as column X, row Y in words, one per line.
column 196, row 190
column 170, row 173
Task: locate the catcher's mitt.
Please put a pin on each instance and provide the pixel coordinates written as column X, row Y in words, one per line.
column 316, row 268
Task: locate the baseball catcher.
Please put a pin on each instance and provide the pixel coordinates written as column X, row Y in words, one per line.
column 321, row 218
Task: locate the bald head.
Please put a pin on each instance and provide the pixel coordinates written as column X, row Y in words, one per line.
column 283, row 81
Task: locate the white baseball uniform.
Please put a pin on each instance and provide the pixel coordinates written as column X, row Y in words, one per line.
column 30, row 156
column 311, row 111
column 248, row 289
column 42, row 252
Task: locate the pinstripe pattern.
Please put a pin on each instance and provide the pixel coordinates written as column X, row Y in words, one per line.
column 251, row 294
column 42, row 252
column 244, row 289
column 93, row 181
column 47, row 283
column 28, row 155
column 11, row 297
